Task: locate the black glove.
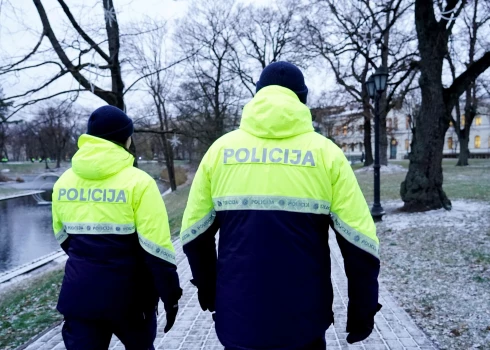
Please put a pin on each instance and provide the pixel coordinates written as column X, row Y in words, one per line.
column 354, row 337
column 171, row 310
column 358, row 331
column 171, row 316
column 206, row 296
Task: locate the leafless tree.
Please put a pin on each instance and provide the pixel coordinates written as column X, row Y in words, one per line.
column 208, row 99
column 263, row 35
column 150, row 57
column 422, row 188
column 80, row 54
column 355, row 36
column 475, row 16
column 55, row 128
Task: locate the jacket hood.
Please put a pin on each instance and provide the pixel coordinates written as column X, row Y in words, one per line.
column 276, row 113
column 99, row 159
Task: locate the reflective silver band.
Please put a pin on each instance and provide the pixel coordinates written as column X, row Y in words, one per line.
column 354, row 237
column 61, row 236
column 298, row 205
column 157, row 250
column 98, row 228
column 198, row 228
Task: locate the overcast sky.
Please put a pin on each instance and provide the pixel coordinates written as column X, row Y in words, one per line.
column 20, row 29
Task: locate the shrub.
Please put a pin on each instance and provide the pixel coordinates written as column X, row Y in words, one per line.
column 180, row 175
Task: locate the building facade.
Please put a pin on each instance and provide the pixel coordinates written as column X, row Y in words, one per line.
column 345, row 126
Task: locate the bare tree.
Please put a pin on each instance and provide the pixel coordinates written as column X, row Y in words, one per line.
column 264, row 35
column 80, row 55
column 54, row 127
column 150, row 57
column 209, row 99
column 422, row 188
column 475, row 16
column 352, row 37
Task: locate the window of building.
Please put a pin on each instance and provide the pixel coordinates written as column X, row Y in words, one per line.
column 463, row 120
column 361, row 145
column 388, row 123
column 477, row 141
column 450, row 143
column 344, row 147
column 352, row 147
column 407, row 122
column 407, row 144
column 478, row 121
column 345, row 129
column 361, row 128
column 395, row 123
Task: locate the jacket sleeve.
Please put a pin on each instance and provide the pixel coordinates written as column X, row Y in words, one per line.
column 58, row 228
column 199, row 226
column 154, row 236
column 356, row 236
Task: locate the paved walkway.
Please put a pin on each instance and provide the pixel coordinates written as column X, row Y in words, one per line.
column 194, row 328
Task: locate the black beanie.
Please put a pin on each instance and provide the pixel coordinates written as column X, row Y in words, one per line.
column 110, row 123
column 286, row 75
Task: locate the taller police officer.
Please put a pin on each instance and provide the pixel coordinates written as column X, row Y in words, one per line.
column 273, row 188
column 110, row 219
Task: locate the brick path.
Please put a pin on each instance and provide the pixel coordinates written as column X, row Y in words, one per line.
column 194, row 328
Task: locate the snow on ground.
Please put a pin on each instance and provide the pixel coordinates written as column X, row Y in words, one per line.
column 385, row 169
column 437, row 264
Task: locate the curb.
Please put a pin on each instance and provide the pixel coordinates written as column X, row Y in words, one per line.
column 33, row 265
column 38, row 336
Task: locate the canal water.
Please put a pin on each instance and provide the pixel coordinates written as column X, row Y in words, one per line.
column 25, row 232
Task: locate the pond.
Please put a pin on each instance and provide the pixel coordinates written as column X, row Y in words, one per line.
column 25, row 232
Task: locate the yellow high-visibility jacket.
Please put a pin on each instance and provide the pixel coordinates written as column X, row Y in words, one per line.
column 273, row 188
column 111, row 220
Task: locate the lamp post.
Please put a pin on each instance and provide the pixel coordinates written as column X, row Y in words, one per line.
column 376, row 85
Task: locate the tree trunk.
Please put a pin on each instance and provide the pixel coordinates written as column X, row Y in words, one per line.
column 169, row 162
column 58, row 159
column 464, row 152
column 422, row 188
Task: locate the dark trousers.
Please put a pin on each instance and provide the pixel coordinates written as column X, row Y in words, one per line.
column 135, row 334
column 318, row 344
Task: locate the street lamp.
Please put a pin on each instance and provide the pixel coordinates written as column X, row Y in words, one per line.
column 376, row 85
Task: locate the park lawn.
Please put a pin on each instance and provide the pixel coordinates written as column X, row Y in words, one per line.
column 471, row 182
column 27, row 311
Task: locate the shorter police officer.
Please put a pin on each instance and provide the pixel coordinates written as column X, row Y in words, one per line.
column 273, row 188
column 110, row 219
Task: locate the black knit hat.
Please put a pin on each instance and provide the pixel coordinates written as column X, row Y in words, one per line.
column 110, row 123
column 286, row 75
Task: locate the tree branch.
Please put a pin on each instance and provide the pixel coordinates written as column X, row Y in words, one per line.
column 104, row 95
column 82, row 33
column 461, row 83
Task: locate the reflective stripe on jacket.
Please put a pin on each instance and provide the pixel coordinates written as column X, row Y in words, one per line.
column 111, row 219
column 273, row 188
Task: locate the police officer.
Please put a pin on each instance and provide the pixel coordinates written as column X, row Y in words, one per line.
column 110, row 219
column 273, row 188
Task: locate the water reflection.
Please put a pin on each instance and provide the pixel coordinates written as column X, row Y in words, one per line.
column 25, row 232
